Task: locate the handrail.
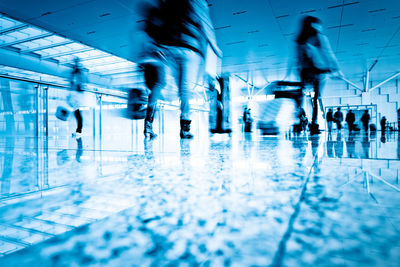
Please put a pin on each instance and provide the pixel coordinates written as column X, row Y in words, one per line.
column 22, row 79
column 123, row 95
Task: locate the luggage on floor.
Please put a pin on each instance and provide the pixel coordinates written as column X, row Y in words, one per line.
column 285, row 93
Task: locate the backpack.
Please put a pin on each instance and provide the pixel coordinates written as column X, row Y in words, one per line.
column 175, row 23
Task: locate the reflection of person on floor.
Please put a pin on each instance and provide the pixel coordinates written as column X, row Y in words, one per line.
column 365, row 120
column 314, row 150
column 300, row 143
column 338, row 116
column 366, row 146
column 329, row 147
column 351, row 147
column 79, row 150
column 339, row 145
column 315, row 58
column 350, row 119
column 148, row 148
column 62, row 157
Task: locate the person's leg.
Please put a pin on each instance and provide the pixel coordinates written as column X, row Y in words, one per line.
column 154, row 75
column 316, row 84
column 79, row 120
column 188, row 63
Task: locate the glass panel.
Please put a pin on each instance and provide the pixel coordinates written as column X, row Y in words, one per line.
column 18, row 108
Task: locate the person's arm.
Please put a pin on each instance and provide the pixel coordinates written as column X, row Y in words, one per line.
column 328, row 54
column 201, row 9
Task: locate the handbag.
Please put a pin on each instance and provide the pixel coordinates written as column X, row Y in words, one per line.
column 62, row 113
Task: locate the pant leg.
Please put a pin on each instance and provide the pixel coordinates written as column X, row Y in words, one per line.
column 187, row 73
column 316, row 84
column 155, row 80
column 79, row 120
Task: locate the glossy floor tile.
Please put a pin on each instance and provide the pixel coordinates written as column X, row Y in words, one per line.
column 240, row 200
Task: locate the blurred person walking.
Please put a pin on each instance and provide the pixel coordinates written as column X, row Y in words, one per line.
column 247, row 120
column 314, row 58
column 75, row 98
column 177, row 36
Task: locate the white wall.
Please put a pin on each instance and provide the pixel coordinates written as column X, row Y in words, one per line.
column 387, row 97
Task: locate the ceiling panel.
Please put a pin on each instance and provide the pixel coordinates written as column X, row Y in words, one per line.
column 255, row 36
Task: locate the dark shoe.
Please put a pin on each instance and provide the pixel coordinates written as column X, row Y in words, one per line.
column 185, row 129
column 314, row 129
column 148, row 130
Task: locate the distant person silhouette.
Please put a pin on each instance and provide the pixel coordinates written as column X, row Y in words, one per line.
column 338, row 116
column 329, row 119
column 365, row 118
column 350, row 119
column 383, row 125
column 314, row 58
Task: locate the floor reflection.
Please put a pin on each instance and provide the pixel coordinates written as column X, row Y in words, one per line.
column 244, row 199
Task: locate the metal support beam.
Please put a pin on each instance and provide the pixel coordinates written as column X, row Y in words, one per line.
column 114, row 71
column 86, row 59
column 68, row 53
column 122, row 73
column 105, row 64
column 349, row 82
column 385, row 81
column 26, row 62
column 46, row 47
column 29, row 39
column 373, row 65
column 14, row 29
column 367, row 81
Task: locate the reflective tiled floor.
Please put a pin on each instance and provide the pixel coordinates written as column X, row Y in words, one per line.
column 240, row 200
